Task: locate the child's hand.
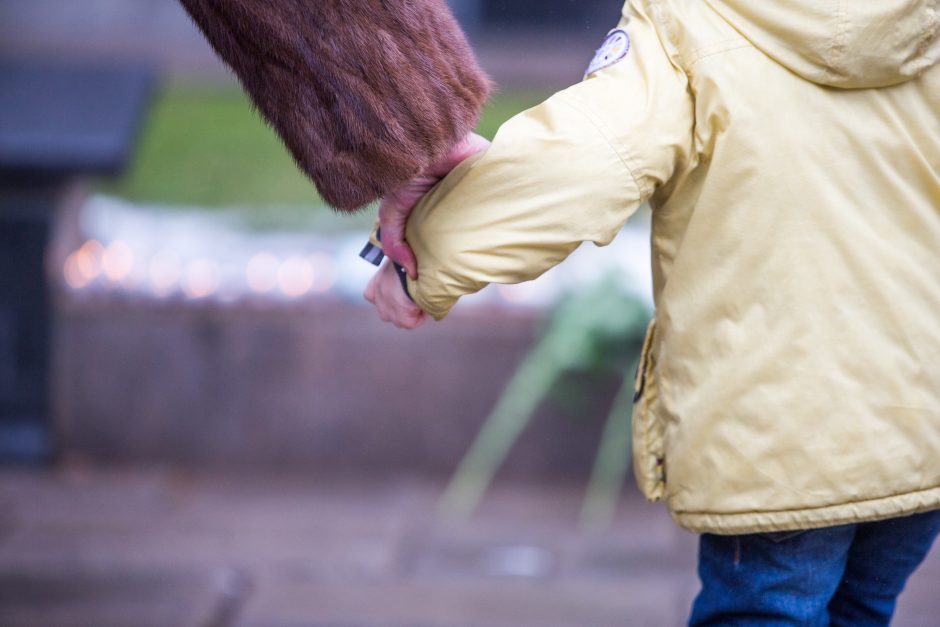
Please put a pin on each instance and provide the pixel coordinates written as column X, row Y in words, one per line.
column 396, row 207
column 393, row 305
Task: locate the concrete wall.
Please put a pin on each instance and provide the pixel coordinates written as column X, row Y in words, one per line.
column 322, row 387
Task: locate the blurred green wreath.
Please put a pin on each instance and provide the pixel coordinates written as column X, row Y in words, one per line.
column 598, row 330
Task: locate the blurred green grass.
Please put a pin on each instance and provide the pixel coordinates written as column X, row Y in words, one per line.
column 204, row 146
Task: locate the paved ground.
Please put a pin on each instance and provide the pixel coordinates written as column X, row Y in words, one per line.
column 106, row 549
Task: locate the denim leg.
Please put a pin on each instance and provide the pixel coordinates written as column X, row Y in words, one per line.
column 769, row 579
column 882, row 557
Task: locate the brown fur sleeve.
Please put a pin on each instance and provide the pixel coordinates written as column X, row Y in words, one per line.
column 364, row 93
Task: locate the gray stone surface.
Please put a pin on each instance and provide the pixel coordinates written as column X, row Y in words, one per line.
column 122, row 548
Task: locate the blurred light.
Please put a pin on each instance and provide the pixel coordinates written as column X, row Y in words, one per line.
column 518, row 561
column 117, row 261
column 165, row 268
column 324, row 272
column 73, row 274
column 87, row 261
column 262, row 272
column 295, row 277
column 542, row 291
column 511, row 293
column 200, row 279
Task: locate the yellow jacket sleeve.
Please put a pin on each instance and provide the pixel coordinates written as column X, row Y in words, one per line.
column 570, row 170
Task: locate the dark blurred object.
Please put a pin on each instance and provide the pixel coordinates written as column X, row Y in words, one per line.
column 57, row 122
column 365, row 94
column 561, row 14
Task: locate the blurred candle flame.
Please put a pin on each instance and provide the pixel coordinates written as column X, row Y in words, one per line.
column 295, row 277
column 165, row 270
column 324, row 272
column 117, row 261
column 200, row 278
column 261, row 272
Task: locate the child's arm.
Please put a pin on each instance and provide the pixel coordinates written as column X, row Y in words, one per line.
column 570, row 170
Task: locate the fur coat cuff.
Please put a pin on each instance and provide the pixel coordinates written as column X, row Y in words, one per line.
column 365, row 94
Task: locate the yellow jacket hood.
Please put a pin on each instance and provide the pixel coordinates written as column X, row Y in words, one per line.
column 866, row 43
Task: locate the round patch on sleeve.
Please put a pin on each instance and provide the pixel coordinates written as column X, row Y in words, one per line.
column 615, row 47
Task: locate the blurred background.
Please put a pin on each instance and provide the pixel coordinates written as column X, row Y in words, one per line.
column 203, row 424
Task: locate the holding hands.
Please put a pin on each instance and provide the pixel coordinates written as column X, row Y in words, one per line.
column 384, row 290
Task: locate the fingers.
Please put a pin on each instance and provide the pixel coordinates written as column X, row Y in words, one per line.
column 391, row 303
column 410, row 319
column 458, row 153
column 393, row 217
column 419, row 319
column 402, row 255
column 470, row 145
column 369, row 293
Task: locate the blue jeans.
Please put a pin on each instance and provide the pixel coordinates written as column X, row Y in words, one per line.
column 845, row 575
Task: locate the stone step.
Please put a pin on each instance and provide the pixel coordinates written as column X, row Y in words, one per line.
column 82, row 547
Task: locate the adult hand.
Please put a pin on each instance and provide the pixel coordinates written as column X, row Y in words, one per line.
column 392, row 304
column 396, row 206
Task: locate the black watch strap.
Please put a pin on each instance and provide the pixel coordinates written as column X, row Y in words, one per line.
column 374, row 255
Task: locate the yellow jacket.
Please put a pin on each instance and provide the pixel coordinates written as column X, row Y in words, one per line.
column 791, row 154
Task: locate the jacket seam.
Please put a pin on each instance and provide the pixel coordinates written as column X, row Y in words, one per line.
column 715, row 46
column 704, row 53
column 766, row 512
column 668, row 41
column 607, row 136
column 931, row 27
column 653, row 457
column 656, row 11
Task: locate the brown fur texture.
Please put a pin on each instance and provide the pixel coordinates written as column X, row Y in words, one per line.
column 365, row 93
